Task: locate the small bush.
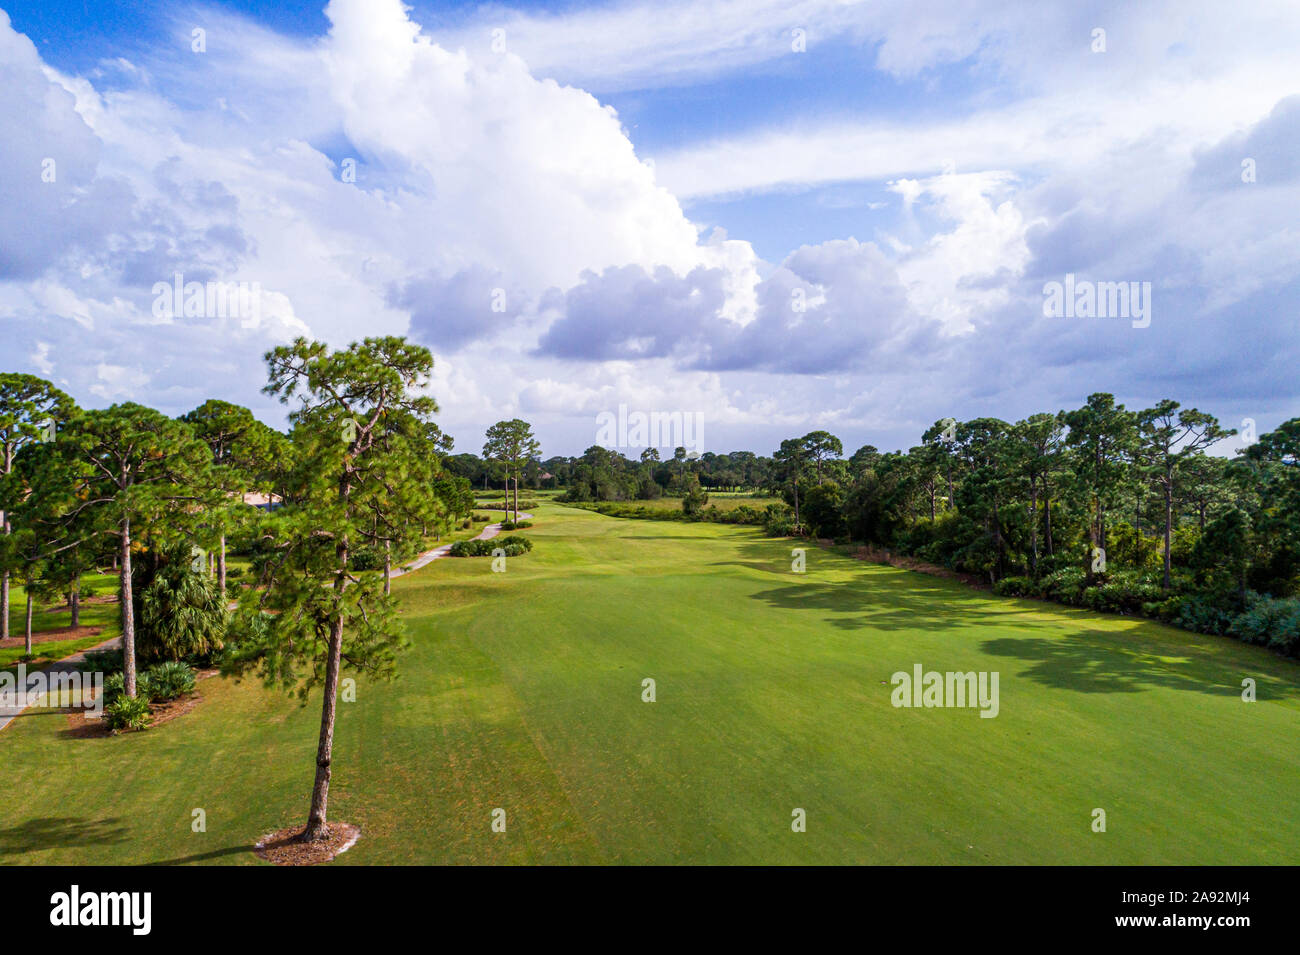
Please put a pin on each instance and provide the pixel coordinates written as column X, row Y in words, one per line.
column 127, row 713
column 468, row 549
column 513, row 546
column 144, row 688
column 1016, row 587
column 521, row 544
column 1065, row 585
column 169, row 680
column 512, row 526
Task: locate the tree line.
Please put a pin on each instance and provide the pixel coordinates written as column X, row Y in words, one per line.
column 1099, row 506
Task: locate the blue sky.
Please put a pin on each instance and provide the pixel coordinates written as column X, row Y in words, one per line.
column 667, row 205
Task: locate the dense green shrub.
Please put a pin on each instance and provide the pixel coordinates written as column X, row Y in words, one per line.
column 950, row 540
column 1065, row 585
column 1270, row 622
column 823, row 510
column 1198, row 613
column 1125, row 547
column 169, row 680
column 512, row 526
column 473, row 548
column 1016, row 587
column 1124, row 591
column 513, row 546
column 127, row 713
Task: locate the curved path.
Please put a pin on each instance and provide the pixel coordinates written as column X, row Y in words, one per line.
column 429, row 556
column 23, row 697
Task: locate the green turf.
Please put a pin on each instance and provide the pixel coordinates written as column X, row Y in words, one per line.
column 48, row 616
column 522, row 691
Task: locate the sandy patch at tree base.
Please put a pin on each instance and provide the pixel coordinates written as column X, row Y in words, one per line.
column 284, row 847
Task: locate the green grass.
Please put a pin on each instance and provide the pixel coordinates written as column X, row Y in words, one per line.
column 50, row 616
column 522, row 691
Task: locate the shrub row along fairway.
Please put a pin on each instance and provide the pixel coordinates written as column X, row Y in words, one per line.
column 523, row 691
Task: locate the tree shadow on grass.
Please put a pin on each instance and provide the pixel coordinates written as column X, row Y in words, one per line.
column 892, row 605
column 62, row 832
column 1093, row 662
column 205, row 856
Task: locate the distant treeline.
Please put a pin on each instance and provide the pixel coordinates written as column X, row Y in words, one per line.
column 1100, row 506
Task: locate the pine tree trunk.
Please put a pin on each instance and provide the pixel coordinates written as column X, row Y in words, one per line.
column 221, row 567
column 74, row 600
column 1093, row 543
column 128, row 610
column 1047, row 515
column 317, row 826
column 27, row 643
column 516, row 497
column 1169, row 521
column 4, row 580
column 1033, row 530
column 388, row 568
column 997, row 539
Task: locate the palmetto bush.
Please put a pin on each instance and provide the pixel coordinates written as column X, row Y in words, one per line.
column 169, row 680
column 114, row 687
column 127, row 713
column 182, row 614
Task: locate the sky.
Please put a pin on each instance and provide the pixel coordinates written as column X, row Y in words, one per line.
column 773, row 216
